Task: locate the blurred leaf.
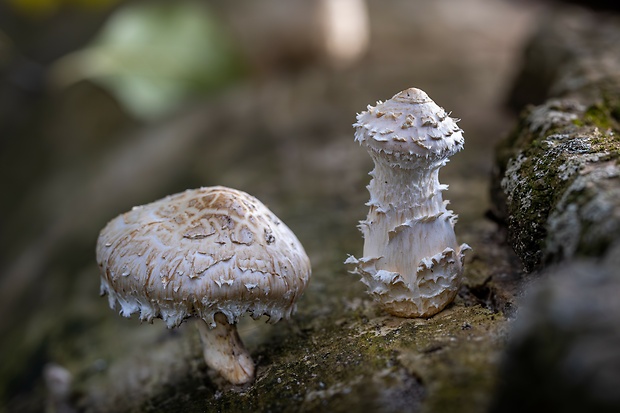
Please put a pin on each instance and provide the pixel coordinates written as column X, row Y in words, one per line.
column 154, row 56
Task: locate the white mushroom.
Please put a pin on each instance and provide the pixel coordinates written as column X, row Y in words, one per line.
column 412, row 263
column 212, row 253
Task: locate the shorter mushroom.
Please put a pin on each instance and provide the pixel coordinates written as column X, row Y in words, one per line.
column 212, row 253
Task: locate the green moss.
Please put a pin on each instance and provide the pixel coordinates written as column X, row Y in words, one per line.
column 533, row 199
column 605, row 114
column 608, row 143
column 598, row 115
column 578, row 122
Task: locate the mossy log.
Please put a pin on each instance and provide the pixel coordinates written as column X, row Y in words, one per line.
column 557, row 180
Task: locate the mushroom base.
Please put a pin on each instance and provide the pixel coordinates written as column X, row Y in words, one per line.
column 224, row 351
column 424, row 293
column 409, row 309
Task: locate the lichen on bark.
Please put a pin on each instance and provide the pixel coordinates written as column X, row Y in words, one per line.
column 550, row 179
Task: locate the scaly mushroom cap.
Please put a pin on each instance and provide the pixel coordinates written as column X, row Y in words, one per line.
column 201, row 252
column 408, row 127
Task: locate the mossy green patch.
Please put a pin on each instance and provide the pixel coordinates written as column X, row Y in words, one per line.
column 598, row 115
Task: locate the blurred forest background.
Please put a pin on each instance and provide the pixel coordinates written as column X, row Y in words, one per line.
column 107, row 104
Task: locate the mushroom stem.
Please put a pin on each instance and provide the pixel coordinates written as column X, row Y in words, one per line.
column 408, row 219
column 414, row 187
column 224, row 351
column 409, row 239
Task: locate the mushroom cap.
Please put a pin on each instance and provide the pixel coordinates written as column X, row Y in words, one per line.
column 408, row 127
column 201, row 252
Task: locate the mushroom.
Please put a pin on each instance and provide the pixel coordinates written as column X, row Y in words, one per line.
column 213, row 253
column 412, row 263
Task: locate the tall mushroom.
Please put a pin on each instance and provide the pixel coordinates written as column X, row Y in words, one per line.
column 412, row 263
column 212, row 253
